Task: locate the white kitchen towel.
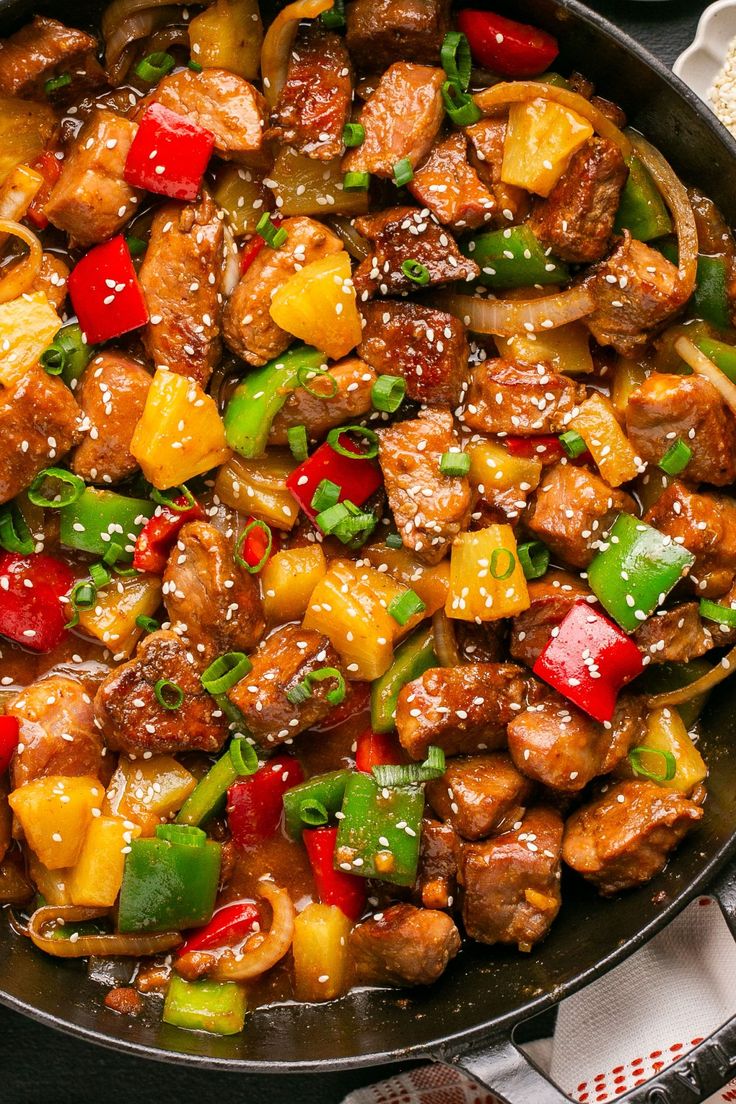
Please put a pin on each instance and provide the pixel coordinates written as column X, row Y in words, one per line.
column 619, row 1031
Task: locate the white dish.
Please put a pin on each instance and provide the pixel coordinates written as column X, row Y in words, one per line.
column 700, row 64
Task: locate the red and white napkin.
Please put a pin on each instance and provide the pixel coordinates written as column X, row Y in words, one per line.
column 619, row 1031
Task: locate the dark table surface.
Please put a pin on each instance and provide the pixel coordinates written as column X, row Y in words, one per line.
column 40, row 1066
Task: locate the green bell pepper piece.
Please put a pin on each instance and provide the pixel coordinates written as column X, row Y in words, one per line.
column 208, row 796
column 722, row 355
column 411, row 659
column 169, row 884
column 68, row 354
column 638, row 567
column 101, row 518
column 513, row 258
column 555, row 79
column 642, row 210
column 660, row 678
column 327, row 789
column 710, row 300
column 258, row 398
column 380, row 830
column 214, row 1006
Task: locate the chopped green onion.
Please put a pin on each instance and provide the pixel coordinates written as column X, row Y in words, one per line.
column 670, row 764
column 188, row 834
column 415, row 271
column 243, row 757
column 298, row 694
column 393, row 540
column 534, row 559
column 676, row 458
column 356, row 182
column 136, row 246
column 572, row 443
column 168, row 694
column 455, row 58
column 455, row 463
column 327, row 520
column 499, row 568
column 326, row 494
column 194, row 66
column 55, row 83
column 296, row 437
column 388, row 392
column 152, row 68
column 83, row 596
column 334, row 17
column 347, row 523
column 169, row 498
column 15, row 536
column 67, row 355
column 272, row 235
column 714, row 611
column 113, row 552
column 53, row 360
column 68, row 488
column 253, row 569
column 403, row 172
column 392, row 775
column 225, row 671
column 148, row 624
column 333, row 440
column 462, row 108
column 405, row 606
column 353, row 134
column 99, row 575
column 313, row 813
column 305, row 375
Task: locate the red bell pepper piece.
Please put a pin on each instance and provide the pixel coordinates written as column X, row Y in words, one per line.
column 334, row 887
column 9, row 733
column 105, row 292
column 169, row 154
column 49, row 166
column 158, row 536
column 505, row 46
column 254, row 247
column 32, row 589
column 254, row 804
column 375, row 749
column 589, row 660
column 227, row 926
column 357, row 479
column 546, row 447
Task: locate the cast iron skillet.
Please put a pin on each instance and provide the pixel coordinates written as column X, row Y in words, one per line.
column 469, row 1016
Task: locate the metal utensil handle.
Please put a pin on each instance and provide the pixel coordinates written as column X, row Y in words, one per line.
column 502, row 1067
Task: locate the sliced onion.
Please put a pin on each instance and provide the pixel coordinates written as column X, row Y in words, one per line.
column 522, row 91
column 704, row 366
column 355, row 243
column 124, row 23
column 133, row 946
column 231, row 262
column 20, row 276
column 509, row 317
column 272, row 947
column 443, row 640
column 276, row 49
column 717, row 674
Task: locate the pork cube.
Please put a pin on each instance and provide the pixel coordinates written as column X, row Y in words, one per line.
column 403, row 945
column 380, row 32
column 112, row 393
column 437, row 873
column 508, row 398
column 57, row 731
column 449, row 186
column 551, row 599
column 705, row 524
column 480, row 795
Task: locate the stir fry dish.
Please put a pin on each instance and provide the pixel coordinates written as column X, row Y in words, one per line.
column 368, row 419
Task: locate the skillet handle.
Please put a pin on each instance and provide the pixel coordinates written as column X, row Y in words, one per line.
column 499, row 1065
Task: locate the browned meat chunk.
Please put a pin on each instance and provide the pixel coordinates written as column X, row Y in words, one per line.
column 57, row 731
column 437, row 873
column 482, row 643
column 666, row 407
column 460, row 709
column 401, row 120
column 508, row 398
column 38, row 51
column 404, row 945
column 124, row 1000
column 511, row 883
column 39, row 423
column 480, row 795
column 429, row 508
column 91, row 200
column 571, row 511
column 112, row 393
column 281, row 662
column 354, row 381
column 450, row 187
column 248, row 328
column 623, row 838
column 576, row 220
column 130, row 715
column 551, row 599
column 221, row 102
column 181, row 277
column 705, row 524
column 427, row 347
column 487, row 139
column 314, row 104
column 675, row 635
column 641, row 295
column 556, row 744
column 52, row 280
column 212, row 602
column 401, row 233
column 380, row 32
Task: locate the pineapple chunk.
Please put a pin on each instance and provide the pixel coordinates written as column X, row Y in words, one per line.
column 321, row 955
column 666, row 732
column 180, row 433
column 288, row 580
column 228, row 35
column 147, row 791
column 318, row 305
column 26, row 128
column 258, row 487
column 113, row 619
column 541, row 137
column 96, row 879
column 628, row 376
column 28, row 325
column 55, row 813
column 241, row 194
column 53, row 885
column 430, row 583
column 303, row 185
column 486, row 579
column 566, row 349
column 597, row 424
column 492, row 468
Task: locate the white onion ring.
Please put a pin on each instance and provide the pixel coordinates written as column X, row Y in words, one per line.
column 21, row 276
column 704, row 366
column 112, row 944
column 276, row 49
column 443, row 640
column 271, row 950
column 509, row 317
column 124, row 23
column 355, row 243
column 717, row 674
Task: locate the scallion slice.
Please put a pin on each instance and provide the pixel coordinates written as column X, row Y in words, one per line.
column 296, row 437
column 356, row 182
column 187, row 834
column 225, row 671
column 415, row 271
column 714, row 611
column 392, row 775
column 455, row 463
column 455, row 58
column 194, row 66
column 388, row 393
column 148, row 624
column 300, row 693
column 99, row 575
column 169, row 694
column 676, row 458
column 275, row 236
column 313, row 813
column 405, row 606
column 326, row 494
column 136, row 246
column 334, row 17
column 155, row 66
column 572, row 443
column 15, row 536
column 55, row 83
column 393, row 540
column 243, row 757
column 305, row 375
column 238, row 556
column 353, row 134
column 503, row 562
column 534, row 559
column 170, row 498
column 668, row 761
column 113, row 552
column 462, row 108
column 368, row 435
column 403, row 172
column 82, row 596
column 67, row 488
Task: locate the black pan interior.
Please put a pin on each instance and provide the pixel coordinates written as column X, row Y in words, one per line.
column 484, row 987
